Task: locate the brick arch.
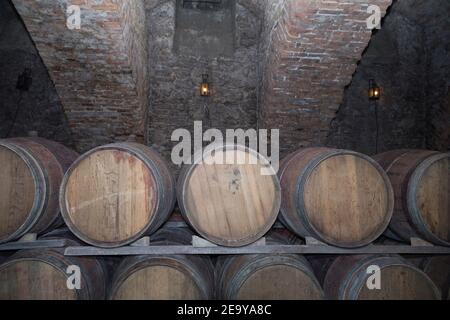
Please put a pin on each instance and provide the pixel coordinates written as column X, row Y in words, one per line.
column 309, row 52
column 99, row 71
column 312, row 50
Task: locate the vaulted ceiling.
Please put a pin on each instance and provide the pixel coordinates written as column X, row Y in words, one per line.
column 99, row 71
column 309, row 51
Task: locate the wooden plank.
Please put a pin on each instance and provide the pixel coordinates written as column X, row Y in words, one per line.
column 314, row 242
column 268, row 249
column 39, row 244
column 418, row 242
column 28, row 237
column 143, row 242
column 198, row 242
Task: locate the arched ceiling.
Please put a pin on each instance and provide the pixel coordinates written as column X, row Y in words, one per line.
column 309, row 54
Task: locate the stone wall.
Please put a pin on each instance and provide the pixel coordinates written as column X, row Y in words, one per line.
column 38, row 108
column 409, row 60
column 175, row 78
column 433, row 16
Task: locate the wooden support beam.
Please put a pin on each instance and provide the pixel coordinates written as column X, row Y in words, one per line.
column 38, row 244
column 255, row 249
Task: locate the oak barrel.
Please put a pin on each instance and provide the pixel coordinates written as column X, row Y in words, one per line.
column 232, row 201
column 421, row 182
column 347, row 278
column 43, row 274
column 438, row 269
column 114, row 194
column 174, row 277
column 340, row 197
column 31, row 170
column 266, row 277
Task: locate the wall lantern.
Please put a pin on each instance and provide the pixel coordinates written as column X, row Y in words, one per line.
column 374, row 90
column 204, row 88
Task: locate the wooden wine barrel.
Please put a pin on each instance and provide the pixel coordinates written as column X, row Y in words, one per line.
column 233, row 203
column 174, row 277
column 320, row 264
column 31, row 170
column 347, row 277
column 266, row 277
column 115, row 194
column 41, row 274
column 421, row 182
column 282, row 236
column 340, row 197
column 438, row 269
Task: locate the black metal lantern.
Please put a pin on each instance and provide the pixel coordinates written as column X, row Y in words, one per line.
column 374, row 90
column 205, row 90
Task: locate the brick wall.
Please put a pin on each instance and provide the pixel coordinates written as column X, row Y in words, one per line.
column 311, row 55
column 99, row 70
column 293, row 68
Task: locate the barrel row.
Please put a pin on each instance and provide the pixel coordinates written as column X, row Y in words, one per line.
column 31, row 170
column 114, row 194
column 43, row 274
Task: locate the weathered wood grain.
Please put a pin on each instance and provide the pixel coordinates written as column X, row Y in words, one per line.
column 115, row 194
column 421, row 182
column 229, row 204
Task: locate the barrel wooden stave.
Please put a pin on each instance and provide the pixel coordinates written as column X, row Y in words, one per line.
column 43, row 275
column 289, row 167
column 421, row 183
column 266, row 277
column 347, row 277
column 175, row 277
column 32, row 192
column 168, row 194
column 437, row 268
column 229, row 204
column 321, row 199
column 115, row 194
